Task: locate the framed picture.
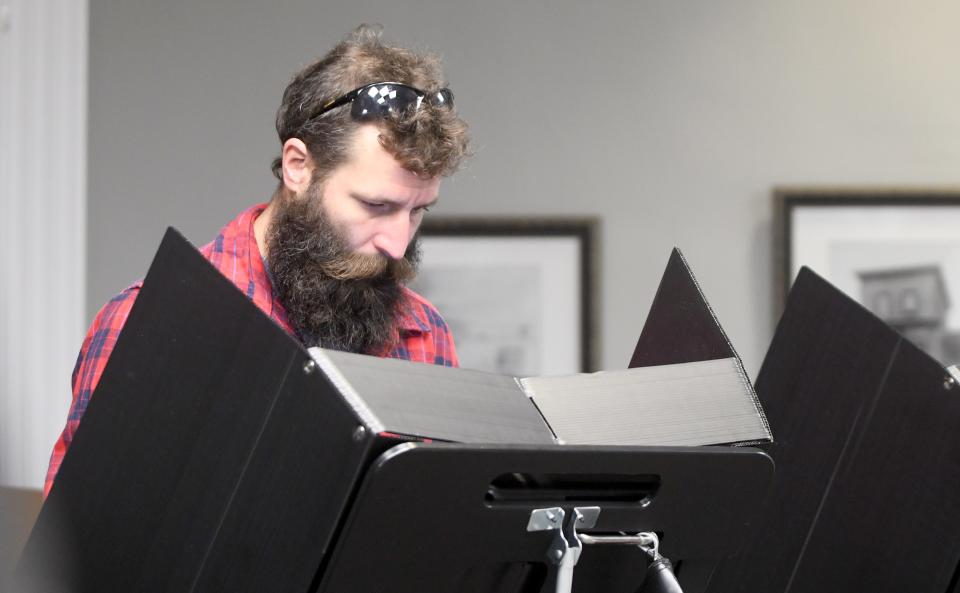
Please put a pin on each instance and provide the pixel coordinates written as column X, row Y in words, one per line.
column 518, row 294
column 896, row 251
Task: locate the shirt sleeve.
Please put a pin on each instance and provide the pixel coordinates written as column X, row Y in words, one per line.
column 94, row 353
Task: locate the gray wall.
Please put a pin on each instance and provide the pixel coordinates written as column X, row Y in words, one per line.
column 671, row 120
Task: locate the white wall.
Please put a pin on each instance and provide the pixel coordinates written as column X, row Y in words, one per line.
column 43, row 94
column 669, row 119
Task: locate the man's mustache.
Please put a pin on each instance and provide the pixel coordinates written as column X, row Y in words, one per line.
column 359, row 266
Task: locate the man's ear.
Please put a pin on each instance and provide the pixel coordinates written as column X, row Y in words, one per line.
column 297, row 165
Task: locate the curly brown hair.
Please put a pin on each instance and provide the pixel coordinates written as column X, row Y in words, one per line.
column 428, row 141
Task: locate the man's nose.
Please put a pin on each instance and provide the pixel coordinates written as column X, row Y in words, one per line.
column 394, row 236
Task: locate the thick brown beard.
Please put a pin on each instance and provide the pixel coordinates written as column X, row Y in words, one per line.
column 333, row 298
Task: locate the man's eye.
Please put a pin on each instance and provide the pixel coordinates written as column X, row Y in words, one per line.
column 373, row 205
column 421, row 210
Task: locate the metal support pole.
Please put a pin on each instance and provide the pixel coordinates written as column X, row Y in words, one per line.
column 567, row 545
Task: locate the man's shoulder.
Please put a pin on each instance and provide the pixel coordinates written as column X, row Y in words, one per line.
column 422, row 312
column 426, row 334
column 235, row 236
column 225, row 243
column 113, row 314
column 123, row 299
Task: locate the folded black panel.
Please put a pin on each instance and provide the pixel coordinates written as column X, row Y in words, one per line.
column 219, row 455
column 681, row 326
column 207, row 460
column 867, row 454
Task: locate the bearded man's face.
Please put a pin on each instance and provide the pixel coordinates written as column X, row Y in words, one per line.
column 334, row 297
column 339, row 249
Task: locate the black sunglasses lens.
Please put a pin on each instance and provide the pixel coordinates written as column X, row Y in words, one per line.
column 443, row 97
column 381, row 100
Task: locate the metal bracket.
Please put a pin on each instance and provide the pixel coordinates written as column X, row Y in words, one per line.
column 646, row 541
column 565, row 548
column 567, row 544
column 545, row 519
column 550, row 519
column 586, row 517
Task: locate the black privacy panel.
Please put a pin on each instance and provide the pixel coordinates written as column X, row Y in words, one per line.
column 680, row 326
column 208, row 459
column 867, row 451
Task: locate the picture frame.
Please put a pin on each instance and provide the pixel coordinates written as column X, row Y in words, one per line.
column 517, row 293
column 896, row 251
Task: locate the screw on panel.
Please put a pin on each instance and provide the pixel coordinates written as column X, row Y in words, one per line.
column 309, row 366
column 359, row 433
column 952, row 379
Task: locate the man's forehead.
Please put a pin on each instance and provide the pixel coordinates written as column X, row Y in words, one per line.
column 369, row 158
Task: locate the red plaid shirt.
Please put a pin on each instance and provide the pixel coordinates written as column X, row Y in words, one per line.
column 422, row 336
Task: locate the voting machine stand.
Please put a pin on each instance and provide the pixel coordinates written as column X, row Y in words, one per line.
column 216, row 457
column 428, row 518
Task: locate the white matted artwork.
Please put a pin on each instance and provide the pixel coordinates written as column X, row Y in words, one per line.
column 515, row 294
column 895, row 252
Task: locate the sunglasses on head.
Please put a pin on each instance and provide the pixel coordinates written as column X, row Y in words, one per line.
column 382, row 99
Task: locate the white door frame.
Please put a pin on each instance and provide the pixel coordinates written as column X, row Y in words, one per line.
column 43, row 183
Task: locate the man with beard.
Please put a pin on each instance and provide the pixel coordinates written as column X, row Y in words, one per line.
column 367, row 132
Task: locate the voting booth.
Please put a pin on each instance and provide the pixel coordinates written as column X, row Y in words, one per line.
column 220, row 455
